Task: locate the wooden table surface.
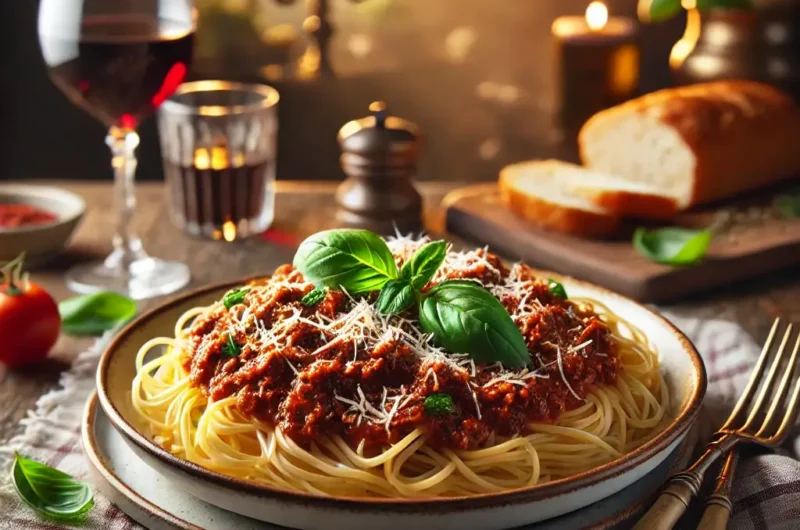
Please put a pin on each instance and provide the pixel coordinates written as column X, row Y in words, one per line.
column 301, row 209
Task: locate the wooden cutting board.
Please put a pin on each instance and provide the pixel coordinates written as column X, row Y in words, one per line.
column 755, row 243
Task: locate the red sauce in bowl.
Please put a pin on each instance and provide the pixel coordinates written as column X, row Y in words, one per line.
column 22, row 215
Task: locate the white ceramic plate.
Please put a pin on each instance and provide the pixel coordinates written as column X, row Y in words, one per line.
column 683, row 370
column 153, row 501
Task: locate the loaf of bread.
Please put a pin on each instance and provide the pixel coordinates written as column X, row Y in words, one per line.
column 696, row 144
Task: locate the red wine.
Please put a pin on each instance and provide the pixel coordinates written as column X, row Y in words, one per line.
column 211, row 197
column 121, row 68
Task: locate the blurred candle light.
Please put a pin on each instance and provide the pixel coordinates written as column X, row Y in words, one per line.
column 596, row 15
column 597, row 61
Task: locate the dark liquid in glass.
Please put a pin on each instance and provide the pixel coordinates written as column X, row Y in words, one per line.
column 120, row 68
column 213, row 197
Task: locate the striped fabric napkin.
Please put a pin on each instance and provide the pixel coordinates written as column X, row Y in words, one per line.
column 766, row 493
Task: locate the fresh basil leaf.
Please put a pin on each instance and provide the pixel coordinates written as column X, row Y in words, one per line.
column 424, row 263
column 465, row 318
column 788, row 206
column 556, row 288
column 231, row 349
column 396, row 296
column 313, row 297
column 661, row 10
column 52, row 493
column 356, row 260
column 234, row 297
column 672, row 246
column 438, row 405
column 93, row 314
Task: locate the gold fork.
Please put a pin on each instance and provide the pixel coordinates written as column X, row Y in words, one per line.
column 752, row 421
column 718, row 505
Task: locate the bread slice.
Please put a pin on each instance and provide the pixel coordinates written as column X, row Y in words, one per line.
column 697, row 143
column 542, row 191
column 626, row 198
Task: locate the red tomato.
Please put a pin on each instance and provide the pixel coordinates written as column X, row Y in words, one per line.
column 29, row 319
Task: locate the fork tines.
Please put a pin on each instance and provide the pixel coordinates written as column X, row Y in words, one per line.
column 768, row 406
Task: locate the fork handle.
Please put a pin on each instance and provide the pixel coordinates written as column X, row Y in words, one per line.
column 718, row 506
column 671, row 503
column 718, row 511
column 682, row 487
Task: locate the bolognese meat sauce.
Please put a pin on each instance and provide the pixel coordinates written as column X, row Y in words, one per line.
column 339, row 368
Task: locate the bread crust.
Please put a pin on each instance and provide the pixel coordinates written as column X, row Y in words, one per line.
column 743, row 134
column 553, row 216
column 630, row 203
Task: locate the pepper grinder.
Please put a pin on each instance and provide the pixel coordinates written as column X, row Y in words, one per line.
column 379, row 157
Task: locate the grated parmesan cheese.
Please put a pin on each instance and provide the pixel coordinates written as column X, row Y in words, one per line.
column 363, row 327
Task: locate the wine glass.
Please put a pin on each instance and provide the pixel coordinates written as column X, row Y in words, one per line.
column 119, row 60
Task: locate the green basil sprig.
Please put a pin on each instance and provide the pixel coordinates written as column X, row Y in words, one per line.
column 423, row 264
column 556, row 288
column 462, row 316
column 672, row 246
column 93, row 314
column 235, row 297
column 357, row 261
column 466, row 318
column 438, row 405
column 396, row 296
column 52, row 493
column 231, row 348
column 313, row 297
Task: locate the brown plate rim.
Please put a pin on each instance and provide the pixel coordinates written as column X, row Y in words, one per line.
column 522, row 495
column 89, row 441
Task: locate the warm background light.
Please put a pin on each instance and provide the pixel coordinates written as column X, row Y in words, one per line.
column 684, row 46
column 596, row 15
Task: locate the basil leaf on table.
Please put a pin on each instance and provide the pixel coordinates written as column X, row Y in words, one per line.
column 438, row 405
column 357, row 261
column 424, row 263
column 93, row 314
column 465, row 318
column 672, row 246
column 52, row 493
column 396, row 296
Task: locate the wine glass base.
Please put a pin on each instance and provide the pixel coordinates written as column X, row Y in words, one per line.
column 144, row 278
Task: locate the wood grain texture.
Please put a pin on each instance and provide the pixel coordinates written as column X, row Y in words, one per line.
column 302, row 208
column 477, row 213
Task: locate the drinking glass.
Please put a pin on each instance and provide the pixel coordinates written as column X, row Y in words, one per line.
column 218, row 141
column 119, row 60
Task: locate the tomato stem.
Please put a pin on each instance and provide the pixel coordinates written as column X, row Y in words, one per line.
column 13, row 278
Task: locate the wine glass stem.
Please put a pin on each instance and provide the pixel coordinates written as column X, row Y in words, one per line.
column 127, row 246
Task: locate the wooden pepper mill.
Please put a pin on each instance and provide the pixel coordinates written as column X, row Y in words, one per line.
column 379, row 157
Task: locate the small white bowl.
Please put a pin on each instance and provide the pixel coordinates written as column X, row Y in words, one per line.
column 40, row 242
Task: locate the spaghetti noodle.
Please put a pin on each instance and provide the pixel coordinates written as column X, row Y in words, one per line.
column 332, row 400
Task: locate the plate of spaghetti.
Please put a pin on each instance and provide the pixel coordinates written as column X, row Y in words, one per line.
column 399, row 382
